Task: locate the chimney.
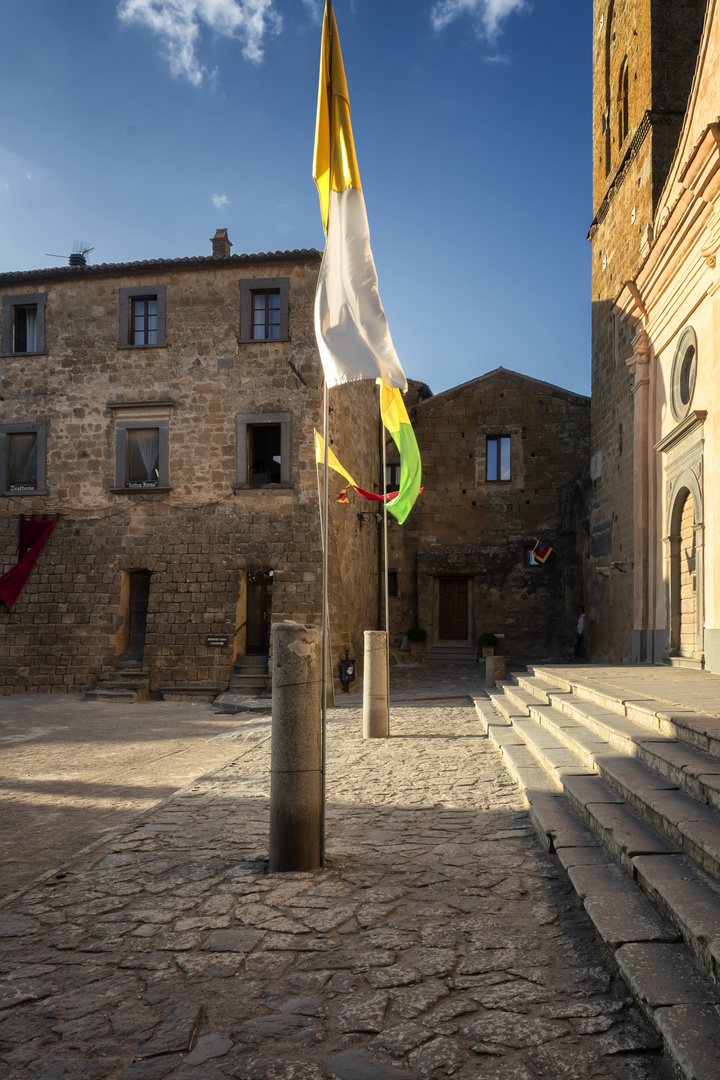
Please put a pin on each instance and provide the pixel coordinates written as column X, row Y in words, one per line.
column 221, row 244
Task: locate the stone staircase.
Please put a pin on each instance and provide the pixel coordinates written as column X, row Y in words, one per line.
column 456, row 653
column 128, row 682
column 250, row 676
column 626, row 794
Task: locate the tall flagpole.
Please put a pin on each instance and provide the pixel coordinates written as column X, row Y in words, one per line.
column 385, row 546
column 324, row 671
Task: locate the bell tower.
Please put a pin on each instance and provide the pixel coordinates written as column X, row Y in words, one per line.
column 644, row 55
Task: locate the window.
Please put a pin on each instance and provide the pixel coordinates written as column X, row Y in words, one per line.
column 264, row 454
column 393, row 587
column 530, row 559
column 142, row 457
column 684, row 374
column 22, row 459
column 266, row 315
column 392, row 476
column 142, row 446
column 263, row 450
column 144, row 320
column 498, row 457
column 264, row 309
column 23, row 324
column 142, row 317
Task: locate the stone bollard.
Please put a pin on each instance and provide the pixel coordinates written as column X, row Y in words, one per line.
column 494, row 669
column 375, row 699
column 296, row 790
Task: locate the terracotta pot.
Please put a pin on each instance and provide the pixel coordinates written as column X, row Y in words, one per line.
column 417, row 646
column 488, row 650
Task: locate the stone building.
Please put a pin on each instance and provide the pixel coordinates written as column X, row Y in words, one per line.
column 644, row 55
column 165, row 410
column 504, row 460
column 670, row 307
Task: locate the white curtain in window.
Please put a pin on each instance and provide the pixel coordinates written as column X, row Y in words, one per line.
column 143, row 455
column 31, row 328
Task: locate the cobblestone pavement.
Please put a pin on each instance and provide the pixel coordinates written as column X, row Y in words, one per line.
column 70, row 770
column 439, row 940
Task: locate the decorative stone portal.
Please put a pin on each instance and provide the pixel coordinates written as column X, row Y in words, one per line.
column 688, row 579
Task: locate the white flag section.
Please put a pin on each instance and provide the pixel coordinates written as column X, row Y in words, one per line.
column 351, row 327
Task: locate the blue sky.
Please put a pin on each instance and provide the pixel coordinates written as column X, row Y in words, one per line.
column 141, row 126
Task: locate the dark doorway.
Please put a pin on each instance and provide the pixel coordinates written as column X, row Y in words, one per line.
column 453, row 609
column 259, row 606
column 139, row 594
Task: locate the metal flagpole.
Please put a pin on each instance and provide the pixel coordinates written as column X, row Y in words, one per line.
column 324, row 673
column 385, row 545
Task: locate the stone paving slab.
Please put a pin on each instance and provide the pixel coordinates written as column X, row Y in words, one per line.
column 440, row 940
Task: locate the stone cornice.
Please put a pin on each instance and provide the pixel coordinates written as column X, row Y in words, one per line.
column 694, row 420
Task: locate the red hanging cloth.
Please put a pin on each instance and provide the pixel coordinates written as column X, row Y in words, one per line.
column 33, row 533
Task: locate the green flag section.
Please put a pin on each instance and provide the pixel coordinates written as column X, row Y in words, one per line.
column 396, row 420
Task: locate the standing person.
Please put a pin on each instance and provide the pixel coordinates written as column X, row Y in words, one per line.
column 579, row 643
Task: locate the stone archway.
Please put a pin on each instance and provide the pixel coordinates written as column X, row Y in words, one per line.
column 686, row 578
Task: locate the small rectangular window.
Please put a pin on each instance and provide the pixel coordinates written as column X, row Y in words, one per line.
column 264, row 454
column 530, row 559
column 393, row 589
column 142, row 457
column 22, row 461
column 25, row 328
column 142, row 316
column 144, row 320
column 498, row 458
column 23, row 324
column 264, row 309
column 266, row 315
column 392, row 476
column 22, row 458
column 263, row 450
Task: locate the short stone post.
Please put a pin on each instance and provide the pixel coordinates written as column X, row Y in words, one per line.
column 296, row 790
column 375, row 698
column 494, row 669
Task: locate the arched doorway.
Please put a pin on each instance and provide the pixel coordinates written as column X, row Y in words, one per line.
column 686, row 578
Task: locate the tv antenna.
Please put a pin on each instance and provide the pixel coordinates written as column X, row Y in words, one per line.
column 77, row 258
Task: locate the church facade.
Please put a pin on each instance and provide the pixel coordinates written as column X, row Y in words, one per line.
column 652, row 108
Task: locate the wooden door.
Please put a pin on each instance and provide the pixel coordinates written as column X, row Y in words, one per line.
column 259, row 607
column 453, row 609
column 137, row 614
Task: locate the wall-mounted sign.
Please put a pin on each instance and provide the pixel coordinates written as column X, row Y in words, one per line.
column 217, row 641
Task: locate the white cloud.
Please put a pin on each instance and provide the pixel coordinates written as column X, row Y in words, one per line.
column 316, row 8
column 220, row 201
column 489, row 14
column 178, row 23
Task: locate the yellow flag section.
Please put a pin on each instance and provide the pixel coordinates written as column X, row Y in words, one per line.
column 396, row 420
column 333, row 462
column 350, row 324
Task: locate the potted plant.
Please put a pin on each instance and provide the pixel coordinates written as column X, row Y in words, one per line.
column 417, row 637
column 487, row 643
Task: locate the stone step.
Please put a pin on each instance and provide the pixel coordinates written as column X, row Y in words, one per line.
column 113, row 683
column 640, row 916
column 636, row 814
column 590, row 731
column 110, row 695
column 188, row 692
column 675, row 721
column 249, row 682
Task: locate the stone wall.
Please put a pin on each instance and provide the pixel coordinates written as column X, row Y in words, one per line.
column 466, row 526
column 207, row 531
column 658, row 40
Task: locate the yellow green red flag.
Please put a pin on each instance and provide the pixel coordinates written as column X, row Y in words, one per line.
column 396, row 420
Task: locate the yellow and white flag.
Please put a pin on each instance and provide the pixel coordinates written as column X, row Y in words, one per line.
column 350, row 324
